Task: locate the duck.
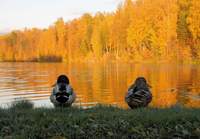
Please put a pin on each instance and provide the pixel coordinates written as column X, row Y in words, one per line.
column 62, row 93
column 139, row 94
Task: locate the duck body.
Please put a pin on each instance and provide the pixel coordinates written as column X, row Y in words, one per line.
column 62, row 93
column 63, row 97
column 140, row 98
column 138, row 94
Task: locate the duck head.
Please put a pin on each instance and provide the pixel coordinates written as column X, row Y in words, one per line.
column 62, row 82
column 141, row 83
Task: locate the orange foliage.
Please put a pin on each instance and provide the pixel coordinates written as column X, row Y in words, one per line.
column 137, row 30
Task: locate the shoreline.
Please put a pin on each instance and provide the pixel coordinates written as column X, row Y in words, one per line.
column 110, row 61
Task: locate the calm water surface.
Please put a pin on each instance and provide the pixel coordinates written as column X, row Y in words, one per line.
column 172, row 84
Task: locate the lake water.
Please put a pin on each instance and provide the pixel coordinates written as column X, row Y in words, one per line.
column 107, row 83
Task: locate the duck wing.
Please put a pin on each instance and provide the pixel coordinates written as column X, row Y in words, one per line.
column 139, row 98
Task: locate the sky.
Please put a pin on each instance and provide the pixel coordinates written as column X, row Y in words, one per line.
column 18, row 14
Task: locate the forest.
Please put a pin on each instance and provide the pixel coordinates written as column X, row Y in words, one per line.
column 142, row 30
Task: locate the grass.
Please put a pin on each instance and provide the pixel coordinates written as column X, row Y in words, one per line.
column 21, row 120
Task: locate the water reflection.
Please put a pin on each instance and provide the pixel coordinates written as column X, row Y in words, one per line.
column 105, row 83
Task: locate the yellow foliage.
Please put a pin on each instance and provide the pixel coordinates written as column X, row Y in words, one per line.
column 138, row 30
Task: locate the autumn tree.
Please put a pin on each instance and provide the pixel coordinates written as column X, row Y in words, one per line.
column 61, row 37
column 193, row 21
column 86, row 30
column 183, row 33
column 119, row 28
column 152, row 28
column 97, row 40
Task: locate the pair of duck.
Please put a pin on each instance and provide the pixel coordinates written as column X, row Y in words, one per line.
column 138, row 95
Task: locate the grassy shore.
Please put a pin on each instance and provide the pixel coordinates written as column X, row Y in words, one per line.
column 21, row 120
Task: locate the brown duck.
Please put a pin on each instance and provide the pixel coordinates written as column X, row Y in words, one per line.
column 139, row 94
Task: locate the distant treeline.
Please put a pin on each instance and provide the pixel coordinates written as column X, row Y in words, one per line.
column 138, row 30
